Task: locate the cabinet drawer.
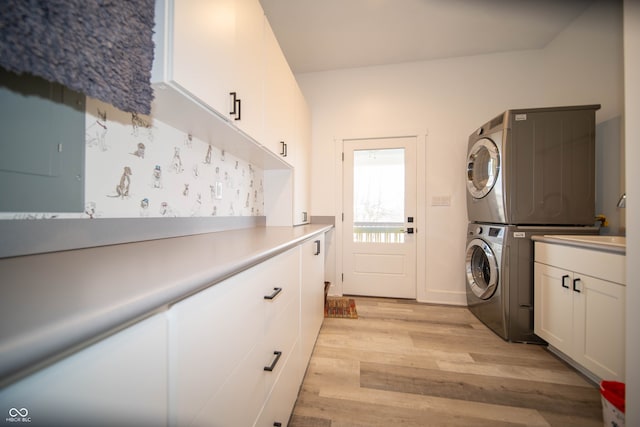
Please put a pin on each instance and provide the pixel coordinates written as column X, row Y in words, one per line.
column 281, row 272
column 281, row 337
column 281, row 400
column 219, row 340
column 603, row 265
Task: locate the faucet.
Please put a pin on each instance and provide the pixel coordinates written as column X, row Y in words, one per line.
column 622, row 202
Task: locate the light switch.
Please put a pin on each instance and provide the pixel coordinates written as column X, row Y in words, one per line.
column 441, row 201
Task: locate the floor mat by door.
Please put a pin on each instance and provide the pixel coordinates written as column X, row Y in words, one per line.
column 340, row 307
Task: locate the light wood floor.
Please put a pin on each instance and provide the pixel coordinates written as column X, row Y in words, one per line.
column 410, row 364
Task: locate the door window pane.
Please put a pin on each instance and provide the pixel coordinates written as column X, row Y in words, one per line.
column 378, row 196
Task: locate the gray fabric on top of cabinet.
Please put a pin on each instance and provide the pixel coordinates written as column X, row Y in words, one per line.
column 102, row 49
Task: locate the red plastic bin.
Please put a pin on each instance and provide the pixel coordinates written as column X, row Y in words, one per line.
column 613, row 395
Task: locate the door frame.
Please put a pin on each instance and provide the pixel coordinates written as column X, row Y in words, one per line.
column 421, row 206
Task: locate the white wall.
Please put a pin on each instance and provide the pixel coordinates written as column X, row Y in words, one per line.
column 450, row 98
column 632, row 149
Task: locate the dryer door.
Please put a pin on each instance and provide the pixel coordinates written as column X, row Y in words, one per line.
column 482, row 269
column 483, row 166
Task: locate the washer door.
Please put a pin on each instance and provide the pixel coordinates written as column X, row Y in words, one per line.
column 483, row 166
column 482, row 269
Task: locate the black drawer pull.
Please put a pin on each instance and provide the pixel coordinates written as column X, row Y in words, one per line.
column 277, row 424
column 276, row 292
column 317, row 251
column 566, row 276
column 275, row 361
column 574, row 285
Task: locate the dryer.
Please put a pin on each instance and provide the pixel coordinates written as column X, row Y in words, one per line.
column 499, row 276
column 533, row 166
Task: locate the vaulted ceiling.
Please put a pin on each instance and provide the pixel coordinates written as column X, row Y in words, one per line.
column 320, row 35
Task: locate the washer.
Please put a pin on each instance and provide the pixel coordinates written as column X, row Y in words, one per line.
column 533, row 166
column 483, row 266
column 499, row 276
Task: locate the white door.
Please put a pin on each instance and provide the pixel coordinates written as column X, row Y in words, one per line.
column 379, row 244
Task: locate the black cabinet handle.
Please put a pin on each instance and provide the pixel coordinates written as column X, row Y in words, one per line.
column 286, row 150
column 566, row 276
column 275, row 361
column 234, row 102
column 237, row 106
column 276, row 292
column 317, row 251
column 282, row 148
column 574, row 285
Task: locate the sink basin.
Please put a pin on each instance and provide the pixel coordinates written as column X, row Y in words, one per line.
column 612, row 241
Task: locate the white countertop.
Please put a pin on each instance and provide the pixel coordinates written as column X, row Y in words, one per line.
column 615, row 244
column 53, row 302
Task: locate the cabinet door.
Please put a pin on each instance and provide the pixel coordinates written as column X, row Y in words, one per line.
column 248, row 67
column 278, row 92
column 301, row 160
column 599, row 326
column 121, row 380
column 210, row 333
column 553, row 304
column 312, row 291
column 202, row 43
column 240, row 399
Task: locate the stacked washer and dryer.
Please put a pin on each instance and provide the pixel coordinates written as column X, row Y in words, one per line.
column 529, row 172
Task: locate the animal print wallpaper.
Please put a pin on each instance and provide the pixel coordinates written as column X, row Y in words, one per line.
column 139, row 167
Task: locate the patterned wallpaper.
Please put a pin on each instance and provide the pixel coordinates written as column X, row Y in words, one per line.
column 139, row 167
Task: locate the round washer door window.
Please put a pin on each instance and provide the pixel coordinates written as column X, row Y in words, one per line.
column 483, row 166
column 482, row 269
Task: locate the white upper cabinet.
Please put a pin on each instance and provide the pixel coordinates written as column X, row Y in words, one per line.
column 248, row 68
column 223, row 55
column 194, row 43
column 211, row 49
column 287, row 130
column 301, row 159
column 279, row 97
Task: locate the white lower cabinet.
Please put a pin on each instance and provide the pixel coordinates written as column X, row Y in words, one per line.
column 120, row 380
column 579, row 310
column 233, row 354
column 232, row 343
